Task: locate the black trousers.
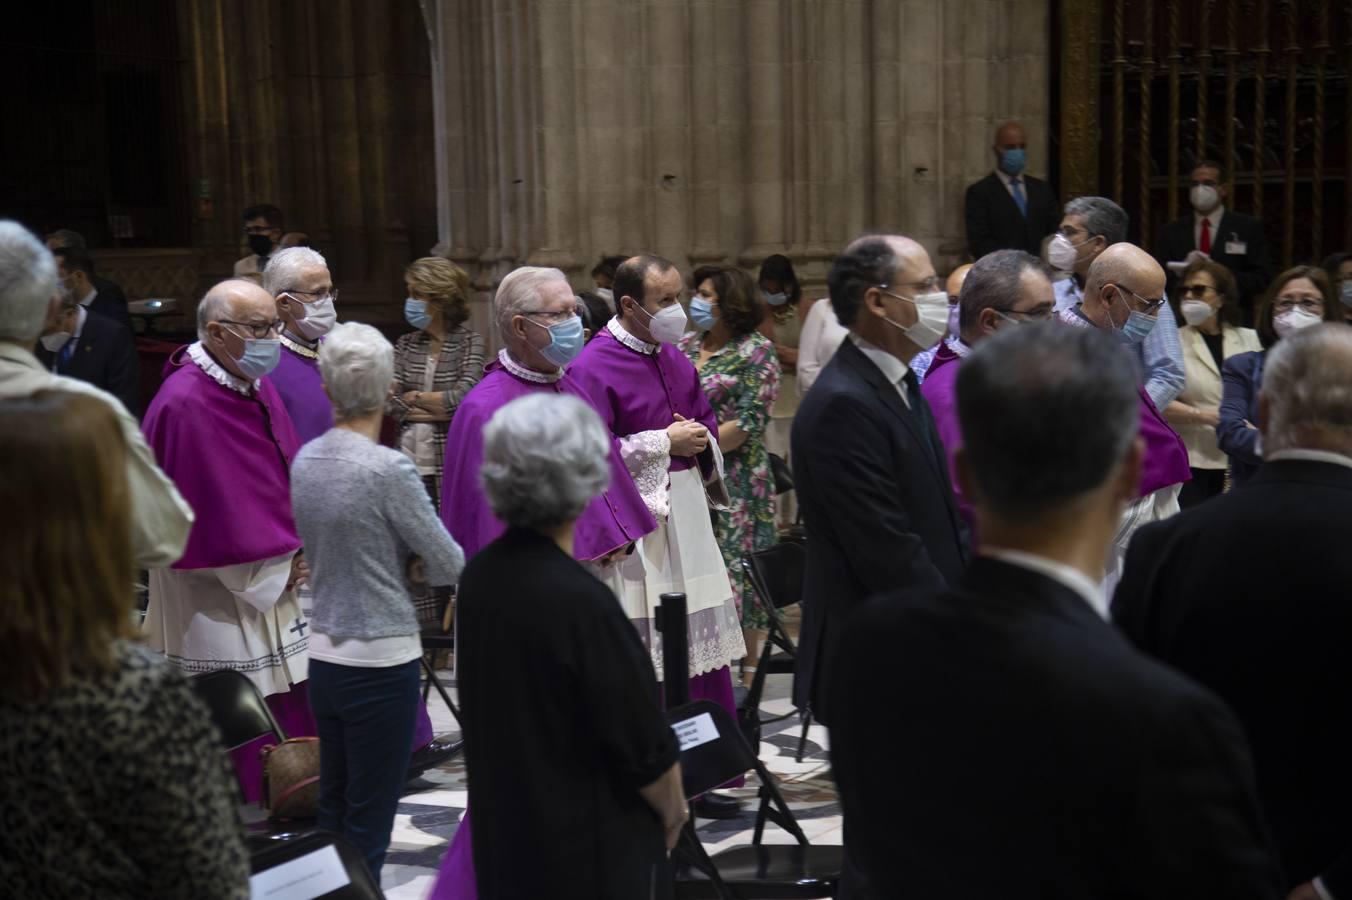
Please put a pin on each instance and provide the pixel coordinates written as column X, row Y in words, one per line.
column 1205, row 484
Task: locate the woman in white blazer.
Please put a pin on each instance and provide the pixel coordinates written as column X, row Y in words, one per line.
column 1208, row 301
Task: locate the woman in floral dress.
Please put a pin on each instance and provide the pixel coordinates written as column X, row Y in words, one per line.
column 740, row 374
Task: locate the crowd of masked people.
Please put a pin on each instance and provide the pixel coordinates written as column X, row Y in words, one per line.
column 1070, row 611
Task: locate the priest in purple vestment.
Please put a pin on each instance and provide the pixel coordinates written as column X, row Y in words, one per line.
column 1002, row 289
column 221, row 433
column 1123, row 294
column 298, row 278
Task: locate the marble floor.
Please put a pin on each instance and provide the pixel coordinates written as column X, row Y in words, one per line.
column 429, row 815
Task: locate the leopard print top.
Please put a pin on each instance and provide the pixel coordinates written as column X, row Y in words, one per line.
column 114, row 786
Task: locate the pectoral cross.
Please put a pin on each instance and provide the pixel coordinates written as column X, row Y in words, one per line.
column 299, row 627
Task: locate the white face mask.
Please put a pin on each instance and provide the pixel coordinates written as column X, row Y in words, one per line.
column 1062, row 254
column 320, row 318
column 1204, row 198
column 606, row 294
column 668, row 325
column 55, row 341
column 931, row 311
column 1294, row 320
column 1195, row 312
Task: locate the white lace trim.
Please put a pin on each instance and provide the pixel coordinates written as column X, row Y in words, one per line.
column 647, row 455
column 198, row 354
column 515, row 368
column 629, row 340
column 300, row 348
column 958, row 347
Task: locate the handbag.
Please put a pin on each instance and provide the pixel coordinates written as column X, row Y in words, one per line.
column 291, row 778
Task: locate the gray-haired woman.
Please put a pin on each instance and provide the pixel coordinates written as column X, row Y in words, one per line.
column 363, row 514
column 571, row 764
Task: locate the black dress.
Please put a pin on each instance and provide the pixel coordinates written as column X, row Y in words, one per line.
column 561, row 727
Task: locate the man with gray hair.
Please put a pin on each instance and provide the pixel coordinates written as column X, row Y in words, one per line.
column 1002, row 289
column 1090, row 226
column 223, row 435
column 1247, row 593
column 1018, row 718
column 298, row 278
column 29, row 297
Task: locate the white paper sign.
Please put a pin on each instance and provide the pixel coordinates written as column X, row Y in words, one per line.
column 304, row 878
column 696, row 731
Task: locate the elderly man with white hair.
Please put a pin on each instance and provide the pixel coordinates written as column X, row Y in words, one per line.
column 29, row 296
column 364, row 515
column 298, row 278
column 575, row 783
column 223, row 435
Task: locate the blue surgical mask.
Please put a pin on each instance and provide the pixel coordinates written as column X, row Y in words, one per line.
column 702, row 314
column 416, row 314
column 1346, row 292
column 565, row 340
column 1138, row 325
column 1013, row 161
column 778, row 299
column 260, row 357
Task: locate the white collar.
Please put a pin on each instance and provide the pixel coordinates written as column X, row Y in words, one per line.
column 958, row 346
column 1214, row 217
column 81, row 314
column 89, row 297
column 520, row 371
column 198, row 354
column 300, row 347
column 893, row 369
column 1008, row 179
column 1304, row 455
column 633, row 343
column 1066, row 576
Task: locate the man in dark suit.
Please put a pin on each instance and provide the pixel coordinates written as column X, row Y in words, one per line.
column 1008, row 210
column 869, row 466
column 113, row 298
column 85, row 345
column 1232, row 239
column 998, row 739
column 76, row 269
column 1248, row 593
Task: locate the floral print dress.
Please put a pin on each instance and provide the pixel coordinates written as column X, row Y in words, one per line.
column 741, row 382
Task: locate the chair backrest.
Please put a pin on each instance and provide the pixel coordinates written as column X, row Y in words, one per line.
column 713, row 750
column 776, row 573
column 781, row 474
column 316, row 864
column 238, row 709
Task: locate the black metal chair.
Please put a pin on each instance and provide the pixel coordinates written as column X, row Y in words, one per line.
column 241, row 715
column 307, row 855
column 715, row 752
column 776, row 576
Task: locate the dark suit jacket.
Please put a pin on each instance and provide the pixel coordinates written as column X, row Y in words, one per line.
column 1248, row 593
column 1241, row 376
column 1001, row 741
column 876, row 500
column 104, row 356
column 1251, row 269
column 995, row 223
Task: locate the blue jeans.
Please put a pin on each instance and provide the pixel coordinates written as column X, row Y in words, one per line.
column 365, row 719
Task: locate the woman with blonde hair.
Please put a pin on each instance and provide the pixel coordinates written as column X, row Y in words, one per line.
column 113, row 777
column 435, row 366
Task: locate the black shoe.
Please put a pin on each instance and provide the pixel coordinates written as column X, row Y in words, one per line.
column 717, row 806
column 433, row 754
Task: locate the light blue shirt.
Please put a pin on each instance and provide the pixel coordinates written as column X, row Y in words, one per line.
column 1160, row 354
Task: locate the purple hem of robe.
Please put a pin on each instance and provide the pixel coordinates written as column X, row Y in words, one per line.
column 301, row 388
column 613, row 519
column 230, row 456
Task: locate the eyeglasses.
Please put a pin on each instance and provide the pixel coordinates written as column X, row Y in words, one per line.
column 1151, row 306
column 560, row 315
column 928, row 286
column 1041, row 314
column 1198, row 290
column 317, row 295
column 255, row 329
column 260, row 229
column 1307, row 303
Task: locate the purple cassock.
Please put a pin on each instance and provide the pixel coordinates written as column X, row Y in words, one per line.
column 298, row 382
column 230, row 457
column 615, row 518
column 940, row 389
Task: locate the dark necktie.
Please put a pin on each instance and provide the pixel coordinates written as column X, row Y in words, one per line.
column 64, row 355
column 1020, row 200
column 920, row 413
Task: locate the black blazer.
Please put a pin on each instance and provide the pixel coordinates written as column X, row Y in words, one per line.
column 1248, row 593
column 1000, row 741
column 995, row 223
column 1252, row 270
column 105, row 356
column 111, row 302
column 876, row 498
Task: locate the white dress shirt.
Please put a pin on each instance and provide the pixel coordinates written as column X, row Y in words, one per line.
column 1067, row 576
column 893, row 369
column 88, row 298
column 821, row 337
column 1214, row 217
column 1009, row 182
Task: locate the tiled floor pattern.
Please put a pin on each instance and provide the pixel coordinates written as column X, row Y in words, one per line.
column 429, row 816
